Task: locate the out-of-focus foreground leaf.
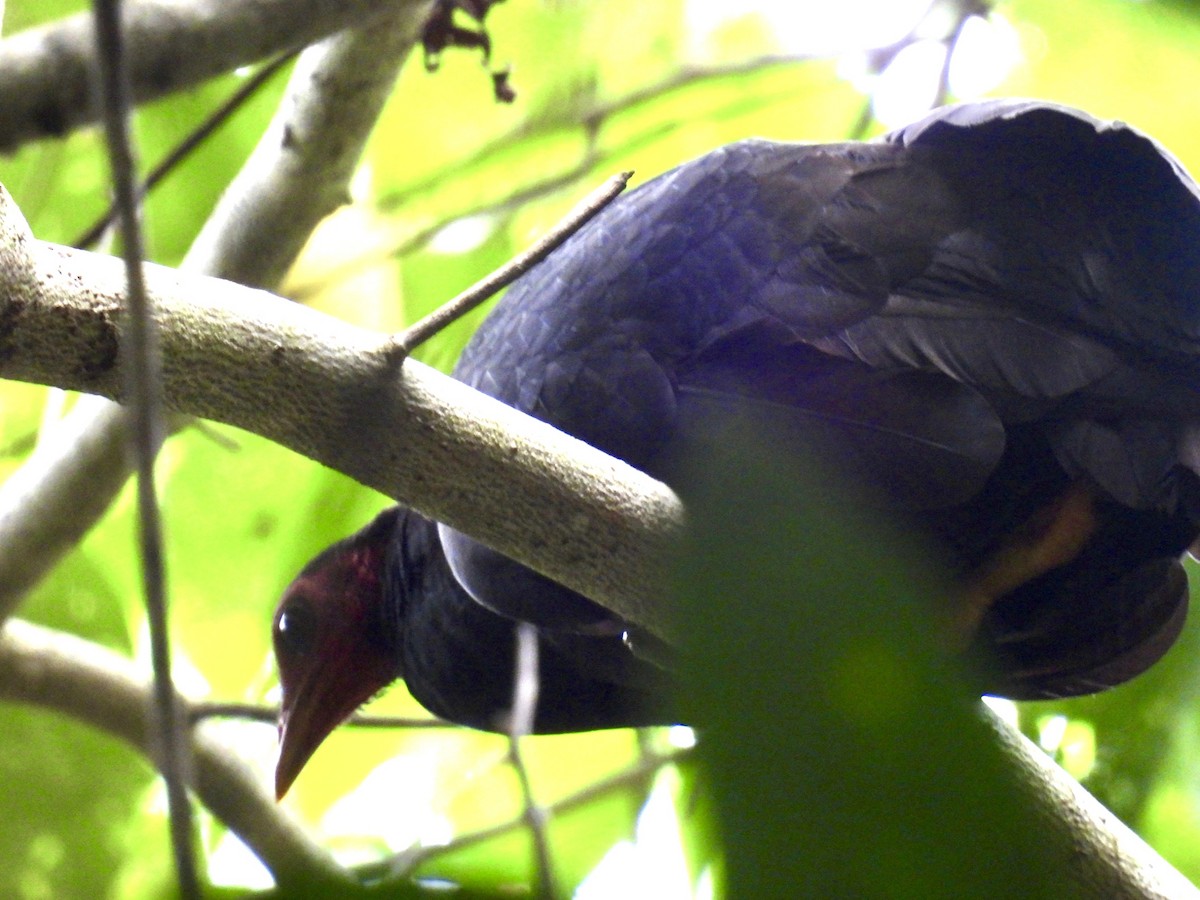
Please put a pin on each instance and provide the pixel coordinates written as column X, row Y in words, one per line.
column 839, row 744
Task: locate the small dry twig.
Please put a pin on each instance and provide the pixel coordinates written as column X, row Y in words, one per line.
column 254, row 712
column 143, row 381
column 640, row 773
column 524, row 708
column 191, row 142
column 423, row 329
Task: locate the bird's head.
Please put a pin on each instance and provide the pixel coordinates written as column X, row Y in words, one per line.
column 332, row 642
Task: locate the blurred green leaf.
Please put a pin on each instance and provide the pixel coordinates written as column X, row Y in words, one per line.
column 66, row 814
column 841, row 750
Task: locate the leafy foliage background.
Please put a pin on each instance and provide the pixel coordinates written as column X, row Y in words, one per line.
column 82, row 815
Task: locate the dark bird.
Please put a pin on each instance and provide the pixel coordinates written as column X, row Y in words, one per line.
column 992, row 315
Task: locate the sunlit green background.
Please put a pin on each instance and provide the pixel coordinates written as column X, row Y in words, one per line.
column 81, row 815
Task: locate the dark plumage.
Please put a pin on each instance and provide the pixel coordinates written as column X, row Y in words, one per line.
column 991, row 318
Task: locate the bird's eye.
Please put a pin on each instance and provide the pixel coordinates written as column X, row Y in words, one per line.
column 295, row 627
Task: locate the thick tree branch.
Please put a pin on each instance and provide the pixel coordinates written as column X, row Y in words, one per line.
column 333, row 393
column 60, row 491
column 284, row 190
column 45, row 88
column 94, row 685
column 301, row 169
column 1108, row 861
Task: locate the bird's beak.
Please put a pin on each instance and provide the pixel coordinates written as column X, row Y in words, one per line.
column 305, row 720
column 294, row 751
column 291, row 758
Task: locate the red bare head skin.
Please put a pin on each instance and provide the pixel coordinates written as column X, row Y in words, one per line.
column 330, row 647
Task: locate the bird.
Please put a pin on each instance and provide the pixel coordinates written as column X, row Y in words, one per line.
column 990, row 318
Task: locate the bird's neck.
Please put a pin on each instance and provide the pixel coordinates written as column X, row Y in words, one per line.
column 459, row 658
column 456, row 656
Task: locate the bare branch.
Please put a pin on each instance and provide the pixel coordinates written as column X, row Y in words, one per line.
column 329, row 391
column 638, row 775
column 459, row 306
column 404, row 239
column 94, row 685
column 143, row 376
column 300, row 171
column 58, row 493
column 1107, row 858
column 255, row 712
column 67, row 484
column 44, row 72
column 191, row 142
column 520, row 725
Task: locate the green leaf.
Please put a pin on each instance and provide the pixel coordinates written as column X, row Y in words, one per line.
column 840, row 745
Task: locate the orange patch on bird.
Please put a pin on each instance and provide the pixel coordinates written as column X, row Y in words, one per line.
column 1053, row 536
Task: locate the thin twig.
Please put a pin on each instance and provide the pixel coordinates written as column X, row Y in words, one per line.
column 862, row 124
column 553, row 118
column 403, row 864
column 525, row 683
column 420, row 331
column 525, row 697
column 54, row 498
column 191, row 142
column 886, row 55
column 106, row 690
column 410, row 243
column 965, row 12
column 591, row 158
column 253, row 712
column 143, row 384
